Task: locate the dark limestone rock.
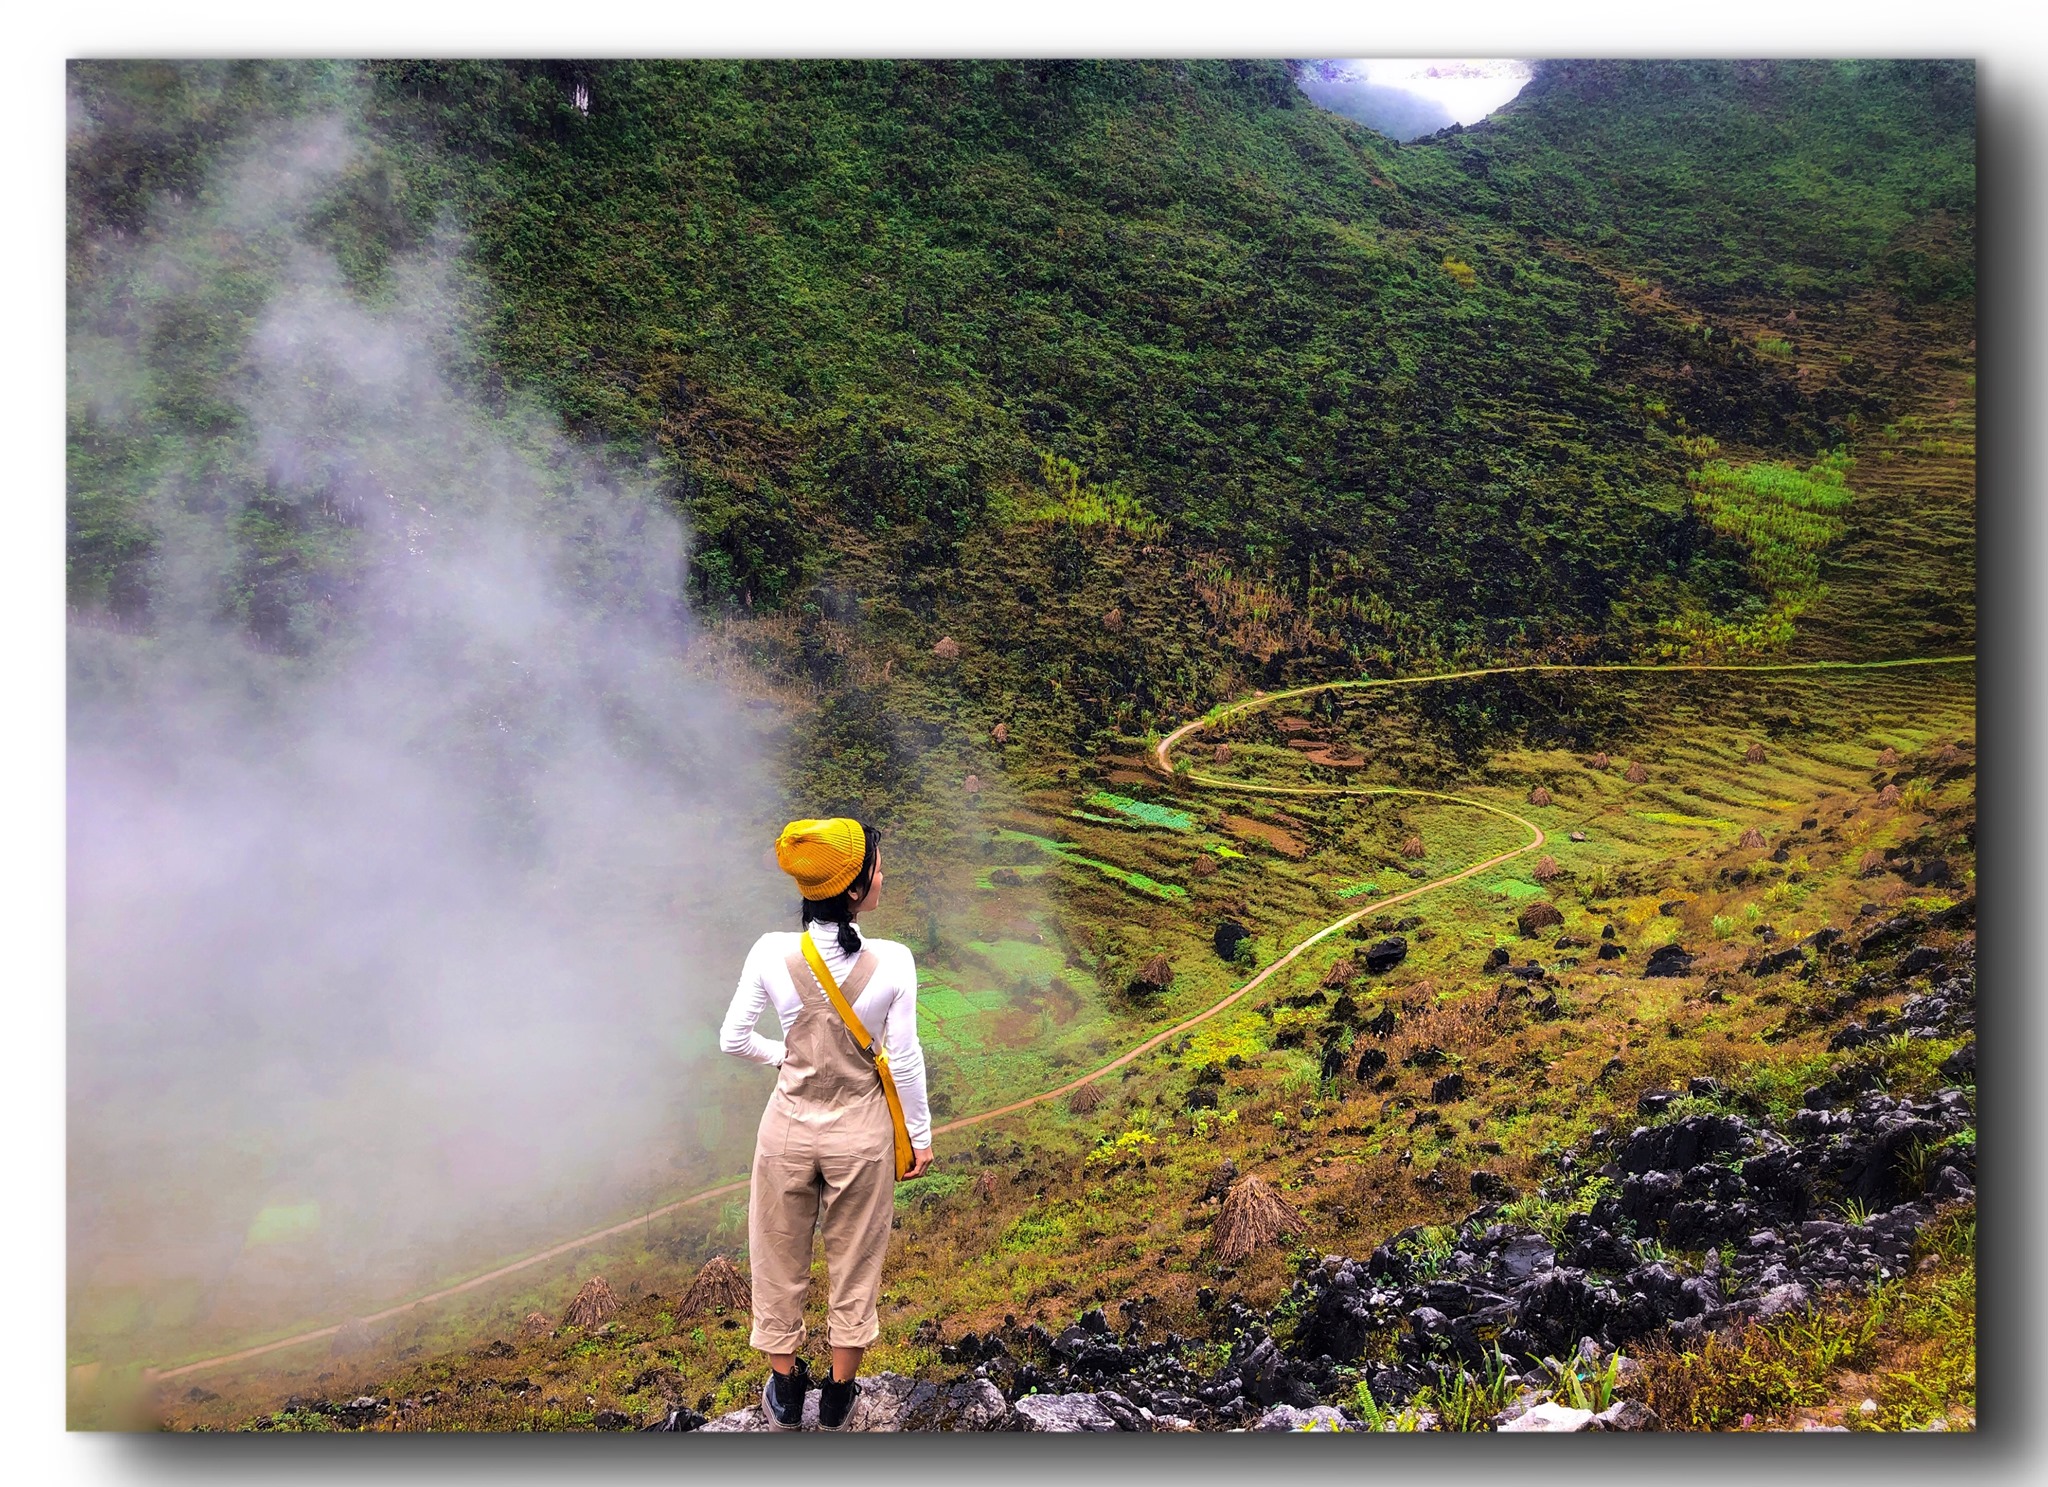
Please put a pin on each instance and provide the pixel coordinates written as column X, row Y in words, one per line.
column 1385, row 955
column 1229, row 935
column 1668, row 960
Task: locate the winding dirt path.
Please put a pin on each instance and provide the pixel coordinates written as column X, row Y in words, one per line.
column 1163, row 757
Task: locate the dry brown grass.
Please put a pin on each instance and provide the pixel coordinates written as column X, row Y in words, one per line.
column 1253, row 1216
column 1087, row 1099
column 718, row 1287
column 592, row 1306
column 1600, row 761
column 1636, row 774
column 1412, row 847
column 1546, row 868
column 1539, row 796
column 1755, row 754
column 1888, row 796
column 1752, row 838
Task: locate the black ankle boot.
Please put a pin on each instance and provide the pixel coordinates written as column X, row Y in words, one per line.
column 782, row 1397
column 835, row 1402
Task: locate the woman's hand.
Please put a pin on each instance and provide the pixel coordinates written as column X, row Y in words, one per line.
column 920, row 1161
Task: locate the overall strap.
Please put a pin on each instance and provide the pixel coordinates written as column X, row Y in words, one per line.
column 842, row 1001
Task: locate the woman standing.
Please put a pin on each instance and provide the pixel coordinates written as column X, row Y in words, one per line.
column 828, row 1139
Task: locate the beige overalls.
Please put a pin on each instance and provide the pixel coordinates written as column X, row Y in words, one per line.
column 825, row 1143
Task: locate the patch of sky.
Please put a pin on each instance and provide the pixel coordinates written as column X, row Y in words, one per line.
column 1408, row 97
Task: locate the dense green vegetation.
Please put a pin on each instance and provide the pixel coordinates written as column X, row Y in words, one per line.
column 1147, row 385
column 872, row 316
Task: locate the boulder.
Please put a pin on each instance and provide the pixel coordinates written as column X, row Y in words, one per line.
column 1627, row 1414
column 1549, row 1417
column 1669, row 960
column 1065, row 1414
column 1386, row 954
column 1287, row 1417
column 1229, row 935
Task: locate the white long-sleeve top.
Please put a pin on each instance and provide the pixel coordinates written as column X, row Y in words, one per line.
column 886, row 1006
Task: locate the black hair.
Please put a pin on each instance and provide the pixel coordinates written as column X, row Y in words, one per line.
column 838, row 909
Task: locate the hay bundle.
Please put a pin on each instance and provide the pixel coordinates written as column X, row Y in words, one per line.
column 1539, row 796
column 1888, row 796
column 984, row 1186
column 972, row 784
column 1205, row 867
column 1546, row 869
column 1342, row 974
column 1637, row 775
column 1221, row 754
column 1114, row 620
column 948, row 649
column 1000, row 733
column 537, row 1324
column 1888, row 758
column 718, row 1287
column 1755, row 754
column 1087, row 1098
column 1540, row 915
column 1871, row 864
column 1601, row 761
column 353, row 1337
column 1751, row 838
column 1253, row 1216
column 1413, row 847
column 1156, row 973
column 1946, row 755
column 593, row 1304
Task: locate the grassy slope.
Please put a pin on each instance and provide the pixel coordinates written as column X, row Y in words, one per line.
column 851, row 306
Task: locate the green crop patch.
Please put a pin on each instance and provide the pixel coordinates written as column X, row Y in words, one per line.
column 1142, row 810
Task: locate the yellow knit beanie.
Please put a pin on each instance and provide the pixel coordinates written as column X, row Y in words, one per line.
column 823, row 856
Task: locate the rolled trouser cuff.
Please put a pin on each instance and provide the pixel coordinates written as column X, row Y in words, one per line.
column 772, row 1338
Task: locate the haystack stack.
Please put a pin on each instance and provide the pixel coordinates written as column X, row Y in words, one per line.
column 1205, row 867
column 1000, row 733
column 1601, row 761
column 593, row 1304
column 718, row 1287
column 984, row 1186
column 1546, row 869
column 1637, row 775
column 1888, row 796
column 972, row 784
column 1888, row 758
column 948, row 649
column 1087, row 1098
column 1540, row 915
column 1253, row 1216
column 353, row 1337
column 1222, row 754
column 537, row 1324
column 1156, row 973
column 1539, row 796
column 1342, row 974
column 1413, row 847
column 1946, row 755
column 1751, row 838
column 1755, row 754
column 1114, row 620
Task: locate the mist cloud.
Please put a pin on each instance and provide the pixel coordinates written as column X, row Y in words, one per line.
column 409, row 864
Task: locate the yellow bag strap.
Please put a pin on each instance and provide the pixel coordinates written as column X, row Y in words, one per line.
column 905, row 1153
column 838, row 1000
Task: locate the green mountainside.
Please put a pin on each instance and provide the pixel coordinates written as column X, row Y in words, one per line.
column 1022, row 412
